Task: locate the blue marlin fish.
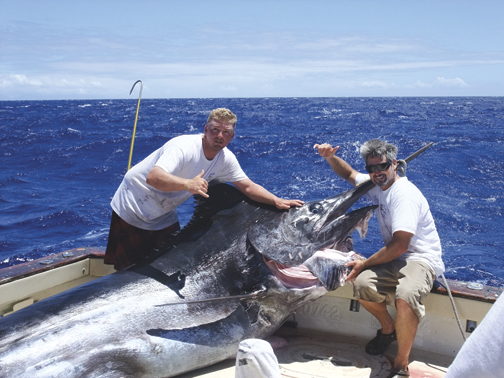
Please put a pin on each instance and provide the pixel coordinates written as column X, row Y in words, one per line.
column 227, row 277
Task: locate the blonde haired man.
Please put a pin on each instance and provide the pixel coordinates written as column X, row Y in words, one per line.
column 145, row 204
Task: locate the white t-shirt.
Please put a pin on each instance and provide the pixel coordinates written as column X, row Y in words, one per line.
column 148, row 208
column 402, row 207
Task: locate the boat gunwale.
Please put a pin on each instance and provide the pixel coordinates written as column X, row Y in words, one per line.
column 30, row 268
column 16, row 272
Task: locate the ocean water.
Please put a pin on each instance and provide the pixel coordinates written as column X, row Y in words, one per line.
column 61, row 162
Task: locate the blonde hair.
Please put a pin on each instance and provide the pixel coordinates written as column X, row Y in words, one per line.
column 222, row 114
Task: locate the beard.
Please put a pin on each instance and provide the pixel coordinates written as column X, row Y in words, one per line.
column 382, row 180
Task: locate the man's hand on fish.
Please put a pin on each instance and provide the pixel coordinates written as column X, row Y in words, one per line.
column 326, row 150
column 287, row 203
column 357, row 267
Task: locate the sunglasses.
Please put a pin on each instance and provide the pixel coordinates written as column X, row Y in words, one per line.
column 378, row 167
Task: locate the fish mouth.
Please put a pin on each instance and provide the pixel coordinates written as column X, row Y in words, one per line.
column 292, row 243
column 292, row 277
column 298, row 277
column 325, row 266
column 326, row 269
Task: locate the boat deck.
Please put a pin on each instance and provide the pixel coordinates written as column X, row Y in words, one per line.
column 316, row 356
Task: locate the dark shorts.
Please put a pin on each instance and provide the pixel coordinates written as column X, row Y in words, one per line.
column 127, row 245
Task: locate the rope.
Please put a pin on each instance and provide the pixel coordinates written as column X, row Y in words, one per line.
column 454, row 308
column 401, row 171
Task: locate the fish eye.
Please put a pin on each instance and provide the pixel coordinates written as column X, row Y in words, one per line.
column 316, row 208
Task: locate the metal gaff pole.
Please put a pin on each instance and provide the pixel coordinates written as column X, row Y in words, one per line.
column 402, row 164
column 421, row 150
column 136, row 119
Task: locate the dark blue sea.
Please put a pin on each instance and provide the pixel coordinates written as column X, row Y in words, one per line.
column 61, row 162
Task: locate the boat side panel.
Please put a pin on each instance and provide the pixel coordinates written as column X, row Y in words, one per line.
column 438, row 332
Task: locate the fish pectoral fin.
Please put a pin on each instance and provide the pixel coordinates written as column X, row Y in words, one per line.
column 181, row 315
column 222, row 330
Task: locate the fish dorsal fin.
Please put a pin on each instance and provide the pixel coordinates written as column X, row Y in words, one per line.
column 222, row 196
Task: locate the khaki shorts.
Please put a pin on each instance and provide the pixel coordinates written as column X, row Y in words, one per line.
column 410, row 281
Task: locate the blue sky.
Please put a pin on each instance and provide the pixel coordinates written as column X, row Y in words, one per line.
column 57, row 49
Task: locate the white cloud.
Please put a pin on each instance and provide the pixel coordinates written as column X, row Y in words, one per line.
column 440, row 82
column 419, row 84
column 53, row 81
column 21, row 80
column 457, row 82
column 379, row 84
column 254, row 67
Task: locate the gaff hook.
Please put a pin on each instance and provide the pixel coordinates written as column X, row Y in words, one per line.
column 136, row 119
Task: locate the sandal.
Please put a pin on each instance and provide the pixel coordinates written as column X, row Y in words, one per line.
column 398, row 373
column 380, row 343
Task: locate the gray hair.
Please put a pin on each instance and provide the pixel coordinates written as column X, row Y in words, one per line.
column 378, row 148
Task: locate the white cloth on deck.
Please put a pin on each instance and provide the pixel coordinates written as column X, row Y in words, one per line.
column 256, row 359
column 482, row 355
